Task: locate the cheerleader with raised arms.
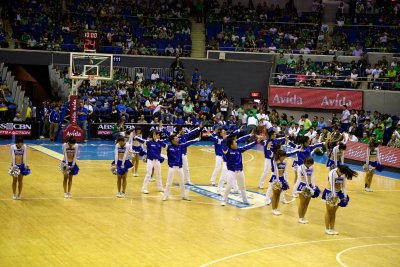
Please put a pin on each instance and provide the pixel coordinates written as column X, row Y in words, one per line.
column 335, row 195
column 68, row 165
column 154, row 159
column 307, row 188
column 137, row 152
column 19, row 167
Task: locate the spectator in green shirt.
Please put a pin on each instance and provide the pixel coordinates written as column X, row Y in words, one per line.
column 302, row 131
column 307, row 123
column 281, row 59
column 379, row 134
column 315, row 122
column 364, row 139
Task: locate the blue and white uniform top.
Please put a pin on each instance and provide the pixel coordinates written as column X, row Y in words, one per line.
column 337, row 155
column 270, row 146
column 153, row 147
column 122, row 152
column 306, row 175
column 234, row 157
column 175, row 152
column 219, row 145
column 18, row 152
column 304, row 152
column 374, row 152
column 336, row 183
column 279, row 169
column 239, row 140
column 183, row 138
column 70, row 152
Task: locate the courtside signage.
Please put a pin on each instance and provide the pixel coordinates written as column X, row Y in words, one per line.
column 314, row 98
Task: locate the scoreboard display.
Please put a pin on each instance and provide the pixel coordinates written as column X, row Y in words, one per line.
column 90, row 40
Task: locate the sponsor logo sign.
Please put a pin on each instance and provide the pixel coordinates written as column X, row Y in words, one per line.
column 75, row 131
column 27, row 129
column 314, row 98
column 357, row 151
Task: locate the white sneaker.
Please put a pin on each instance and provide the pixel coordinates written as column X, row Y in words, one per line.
column 260, row 187
column 118, row 195
column 246, row 203
column 367, row 189
column 164, row 199
column 65, row 195
column 212, row 184
column 122, row 195
column 136, row 174
column 145, row 191
column 276, row 212
column 334, row 232
column 186, row 198
column 223, row 203
column 14, row 197
column 19, row 197
column 329, row 232
column 152, row 180
column 268, row 201
column 303, row 221
column 69, row 195
column 189, row 183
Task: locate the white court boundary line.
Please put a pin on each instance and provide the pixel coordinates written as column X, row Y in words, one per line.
column 357, row 247
column 291, row 244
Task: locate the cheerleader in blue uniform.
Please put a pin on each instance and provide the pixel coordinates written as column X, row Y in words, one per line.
column 19, row 167
column 269, row 146
column 69, row 167
column 335, row 195
column 307, row 188
column 122, row 152
column 279, row 179
column 182, row 139
column 175, row 164
column 222, row 179
column 154, row 159
column 336, row 157
column 372, row 163
column 235, row 168
column 137, row 152
column 218, row 137
column 303, row 152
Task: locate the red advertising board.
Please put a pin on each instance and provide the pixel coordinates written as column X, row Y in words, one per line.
column 72, row 128
column 389, row 156
column 294, row 97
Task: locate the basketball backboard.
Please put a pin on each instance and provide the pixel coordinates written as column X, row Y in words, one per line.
column 83, row 66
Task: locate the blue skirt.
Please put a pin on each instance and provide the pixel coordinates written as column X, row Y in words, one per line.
column 127, row 165
column 74, row 170
column 285, row 185
column 138, row 150
column 375, row 165
column 343, row 201
column 316, row 189
column 24, row 171
column 331, row 164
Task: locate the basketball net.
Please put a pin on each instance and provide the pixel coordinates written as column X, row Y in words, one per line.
column 92, row 80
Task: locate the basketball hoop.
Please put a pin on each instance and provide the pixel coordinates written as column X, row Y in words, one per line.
column 92, row 80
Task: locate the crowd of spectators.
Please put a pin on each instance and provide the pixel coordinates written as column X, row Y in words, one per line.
column 263, row 28
column 302, row 71
column 122, row 26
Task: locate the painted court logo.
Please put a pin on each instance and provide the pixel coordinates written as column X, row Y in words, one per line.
column 256, row 199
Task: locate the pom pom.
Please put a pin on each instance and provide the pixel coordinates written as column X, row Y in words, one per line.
column 161, row 159
column 14, row 171
column 276, row 185
column 285, row 185
column 114, row 169
column 332, row 200
column 26, row 171
column 317, row 191
column 344, row 201
column 379, row 167
column 63, row 167
column 307, row 191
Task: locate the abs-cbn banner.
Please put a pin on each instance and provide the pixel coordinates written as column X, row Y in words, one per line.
column 314, row 98
column 104, row 130
column 389, row 156
column 25, row 129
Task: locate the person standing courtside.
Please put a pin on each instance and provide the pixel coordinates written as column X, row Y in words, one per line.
column 54, row 119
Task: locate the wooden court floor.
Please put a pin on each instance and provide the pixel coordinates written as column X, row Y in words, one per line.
column 96, row 229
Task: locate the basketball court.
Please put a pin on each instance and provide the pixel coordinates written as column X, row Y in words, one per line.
column 95, row 228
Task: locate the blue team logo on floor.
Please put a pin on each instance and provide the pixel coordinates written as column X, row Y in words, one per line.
column 256, row 199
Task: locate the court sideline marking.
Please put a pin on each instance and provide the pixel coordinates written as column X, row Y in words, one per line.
column 357, row 247
column 291, row 244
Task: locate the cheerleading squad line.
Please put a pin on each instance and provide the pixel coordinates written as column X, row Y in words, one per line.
column 229, row 155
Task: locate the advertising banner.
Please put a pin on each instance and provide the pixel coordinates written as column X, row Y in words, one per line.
column 389, row 156
column 72, row 128
column 312, row 98
column 25, row 129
